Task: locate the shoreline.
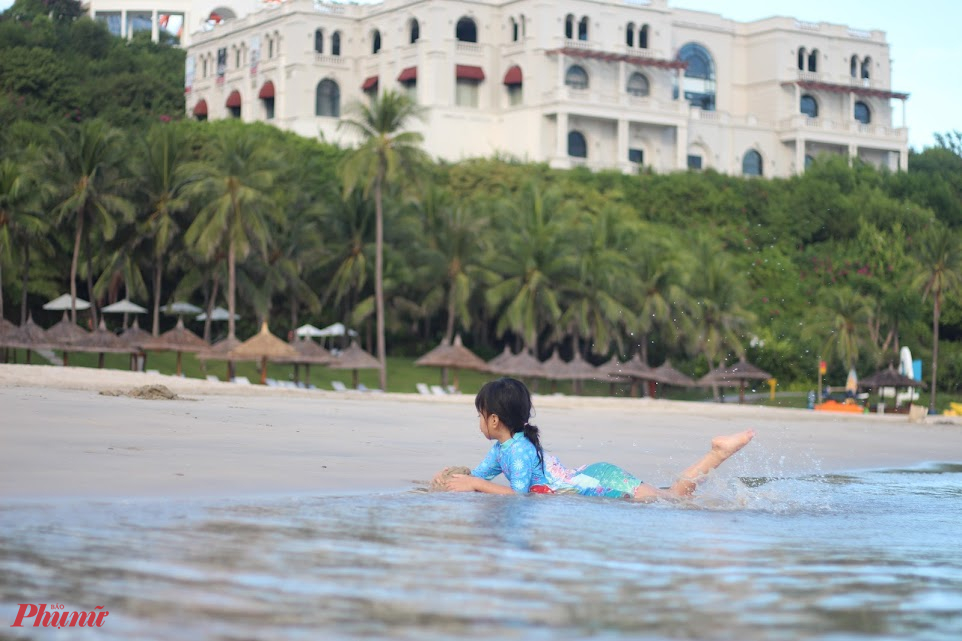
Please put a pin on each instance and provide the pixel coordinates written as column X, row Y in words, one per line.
column 63, row 440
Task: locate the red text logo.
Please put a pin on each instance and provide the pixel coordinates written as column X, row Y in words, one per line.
column 57, row 617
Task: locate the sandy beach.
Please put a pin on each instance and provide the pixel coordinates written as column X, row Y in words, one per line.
column 61, row 438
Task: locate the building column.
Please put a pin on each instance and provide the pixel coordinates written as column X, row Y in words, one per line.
column 799, row 156
column 123, row 23
column 904, row 125
column 681, row 147
column 154, row 26
column 852, row 152
column 561, row 141
column 622, row 146
column 903, row 161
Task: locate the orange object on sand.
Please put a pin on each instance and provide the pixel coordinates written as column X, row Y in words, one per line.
column 835, row 406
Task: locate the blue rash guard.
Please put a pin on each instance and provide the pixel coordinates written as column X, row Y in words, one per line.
column 517, row 459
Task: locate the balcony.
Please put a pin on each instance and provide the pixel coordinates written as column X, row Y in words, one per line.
column 814, row 126
column 329, row 60
column 471, row 49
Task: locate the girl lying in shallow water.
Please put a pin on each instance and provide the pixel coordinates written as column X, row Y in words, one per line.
column 504, row 409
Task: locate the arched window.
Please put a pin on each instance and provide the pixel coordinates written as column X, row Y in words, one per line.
column 514, row 30
column 375, row 41
column 319, row 41
column 643, row 37
column 698, row 83
column 866, row 68
column 583, row 28
column 630, row 34
column 862, row 113
column 466, row 30
column 801, row 58
column 336, row 44
column 415, row 30
column 752, row 163
column 569, row 26
column 576, row 77
column 638, row 85
column 813, row 60
column 853, row 66
column 808, row 106
column 577, row 145
column 328, row 99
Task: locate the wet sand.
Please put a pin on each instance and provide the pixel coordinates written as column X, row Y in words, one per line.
column 60, row 438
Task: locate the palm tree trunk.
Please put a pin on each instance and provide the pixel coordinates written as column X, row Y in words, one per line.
column 714, row 386
column 449, row 331
column 157, row 270
column 937, row 311
column 26, row 280
column 231, row 287
column 73, row 267
column 210, row 306
column 379, row 278
column 1, row 290
column 90, row 284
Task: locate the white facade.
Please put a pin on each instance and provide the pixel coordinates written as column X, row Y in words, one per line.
column 686, row 89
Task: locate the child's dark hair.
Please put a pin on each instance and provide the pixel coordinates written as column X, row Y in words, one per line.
column 511, row 401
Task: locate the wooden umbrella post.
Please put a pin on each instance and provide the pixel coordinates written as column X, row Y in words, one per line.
column 263, row 370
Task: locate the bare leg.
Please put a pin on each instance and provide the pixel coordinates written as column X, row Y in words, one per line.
column 722, row 448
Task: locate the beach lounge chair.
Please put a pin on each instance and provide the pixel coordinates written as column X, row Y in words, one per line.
column 271, row 382
column 452, row 389
column 361, row 387
column 241, row 380
column 152, row 371
column 423, row 389
column 213, row 379
column 338, row 386
column 437, row 390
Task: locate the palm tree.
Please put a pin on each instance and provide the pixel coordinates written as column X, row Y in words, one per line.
column 455, row 244
column 658, row 293
column 717, row 317
column 87, row 159
column 386, row 150
column 534, row 261
column 940, row 273
column 21, row 192
column 164, row 174
column 604, row 278
column 233, row 185
column 845, row 318
column 347, row 223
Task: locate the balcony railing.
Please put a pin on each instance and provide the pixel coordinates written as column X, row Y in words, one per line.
column 327, row 59
column 469, row 48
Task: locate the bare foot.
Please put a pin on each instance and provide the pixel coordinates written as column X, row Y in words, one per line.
column 727, row 445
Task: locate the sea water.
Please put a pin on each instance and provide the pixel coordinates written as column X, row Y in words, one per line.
column 873, row 554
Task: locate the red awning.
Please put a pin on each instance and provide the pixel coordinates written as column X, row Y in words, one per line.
column 409, row 74
column 200, row 109
column 513, row 77
column 267, row 91
column 234, row 99
column 469, row 72
column 369, row 83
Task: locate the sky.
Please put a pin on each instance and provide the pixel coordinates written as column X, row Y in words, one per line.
column 923, row 36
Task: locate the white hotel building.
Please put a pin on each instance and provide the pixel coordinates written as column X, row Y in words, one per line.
column 601, row 83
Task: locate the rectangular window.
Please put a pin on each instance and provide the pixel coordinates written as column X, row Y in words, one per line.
column 269, row 108
column 467, row 93
column 694, row 162
column 411, row 89
column 515, row 95
column 636, row 156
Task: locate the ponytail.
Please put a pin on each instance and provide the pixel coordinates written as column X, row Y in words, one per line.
column 511, row 401
column 532, row 433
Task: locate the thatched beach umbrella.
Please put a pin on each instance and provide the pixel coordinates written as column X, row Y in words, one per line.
column 889, row 377
column 262, row 347
column 579, row 370
column 7, row 331
column 524, row 365
column 498, row 362
column 553, row 367
column 218, row 352
column 613, row 371
column 28, row 336
column 135, row 338
column 179, row 340
column 637, row 370
column 738, row 373
column 455, row 356
column 308, row 353
column 65, row 335
column 668, row 375
column 354, row 358
column 102, row 341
